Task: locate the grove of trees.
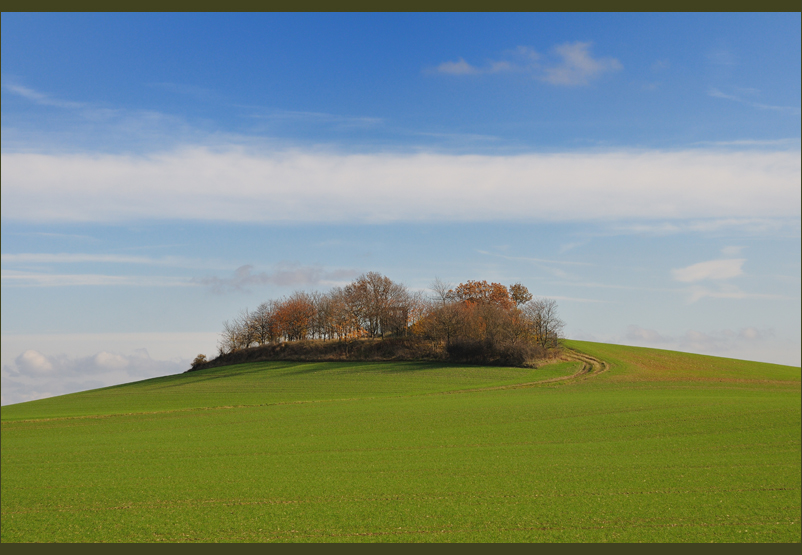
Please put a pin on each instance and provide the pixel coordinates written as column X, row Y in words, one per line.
column 473, row 320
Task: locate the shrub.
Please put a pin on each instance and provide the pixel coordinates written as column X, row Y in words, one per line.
column 493, row 353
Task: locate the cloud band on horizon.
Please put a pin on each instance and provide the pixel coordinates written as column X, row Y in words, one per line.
column 306, row 186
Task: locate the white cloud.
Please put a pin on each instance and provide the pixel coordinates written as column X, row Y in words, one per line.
column 311, row 186
column 161, row 345
column 460, row 67
column 33, row 362
column 110, row 361
column 38, row 366
column 34, row 375
column 713, row 269
column 640, row 335
column 577, row 66
column 570, row 64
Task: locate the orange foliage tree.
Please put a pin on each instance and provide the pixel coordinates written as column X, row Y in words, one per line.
column 481, row 292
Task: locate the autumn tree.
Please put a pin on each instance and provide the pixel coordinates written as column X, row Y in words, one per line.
column 519, row 294
column 294, row 316
column 481, row 292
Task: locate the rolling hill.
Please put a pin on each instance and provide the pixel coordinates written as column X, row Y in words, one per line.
column 613, row 443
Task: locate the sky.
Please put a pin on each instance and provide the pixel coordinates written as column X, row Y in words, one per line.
column 163, row 172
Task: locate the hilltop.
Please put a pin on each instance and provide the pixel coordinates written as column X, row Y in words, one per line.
column 376, row 350
column 474, row 322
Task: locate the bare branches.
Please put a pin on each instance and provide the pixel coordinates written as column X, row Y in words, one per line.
column 543, row 322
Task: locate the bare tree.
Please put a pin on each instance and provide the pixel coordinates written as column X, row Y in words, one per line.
column 546, row 326
column 380, row 305
column 441, row 291
column 264, row 322
column 247, row 329
column 234, row 336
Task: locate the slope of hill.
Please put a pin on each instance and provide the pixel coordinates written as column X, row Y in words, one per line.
column 619, row 444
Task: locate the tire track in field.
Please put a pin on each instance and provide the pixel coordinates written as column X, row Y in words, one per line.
column 591, row 367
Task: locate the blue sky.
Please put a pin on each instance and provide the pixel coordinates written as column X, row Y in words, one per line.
column 162, row 172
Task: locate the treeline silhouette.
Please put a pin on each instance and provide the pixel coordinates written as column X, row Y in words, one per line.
column 376, row 318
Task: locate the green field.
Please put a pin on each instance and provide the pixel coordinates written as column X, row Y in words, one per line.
column 660, row 446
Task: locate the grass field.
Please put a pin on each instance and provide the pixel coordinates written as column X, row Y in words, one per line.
column 661, row 446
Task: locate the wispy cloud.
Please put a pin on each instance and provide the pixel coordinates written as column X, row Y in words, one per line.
column 597, row 285
column 712, row 269
column 754, row 226
column 13, row 278
column 570, row 64
column 286, row 274
column 536, row 260
column 543, row 264
column 319, row 117
column 570, row 246
column 200, row 93
column 732, row 250
column 722, row 57
column 789, row 143
column 731, row 291
column 236, row 184
column 73, row 258
column 574, row 299
column 464, row 137
column 716, row 93
column 54, row 235
column 42, row 98
column 77, row 123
